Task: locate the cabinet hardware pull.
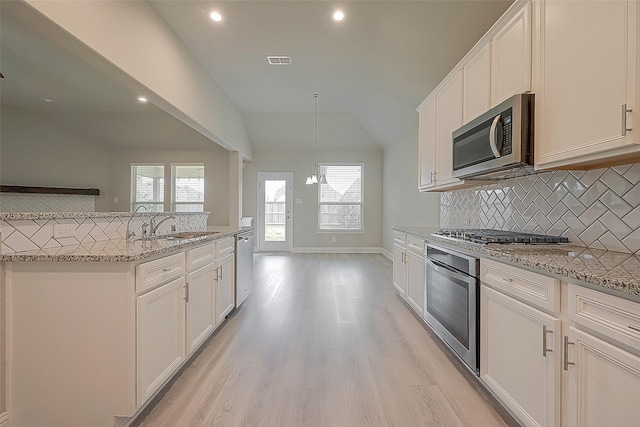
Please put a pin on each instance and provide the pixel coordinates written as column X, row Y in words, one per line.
column 545, row 350
column 219, row 273
column 166, row 269
column 507, row 279
column 566, row 353
column 625, row 129
column 186, row 292
column 634, row 328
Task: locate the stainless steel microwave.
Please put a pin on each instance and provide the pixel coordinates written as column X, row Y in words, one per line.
column 498, row 144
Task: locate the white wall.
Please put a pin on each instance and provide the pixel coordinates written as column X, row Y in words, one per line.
column 305, row 216
column 216, row 174
column 36, row 151
column 403, row 203
column 132, row 36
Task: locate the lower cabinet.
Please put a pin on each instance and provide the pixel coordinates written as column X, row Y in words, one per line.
column 224, row 284
column 416, row 288
column 408, row 270
column 200, row 297
column 575, row 365
column 160, row 336
column 399, row 269
column 604, row 382
column 519, row 359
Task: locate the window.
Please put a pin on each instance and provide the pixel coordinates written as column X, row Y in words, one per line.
column 340, row 199
column 147, row 187
column 187, row 190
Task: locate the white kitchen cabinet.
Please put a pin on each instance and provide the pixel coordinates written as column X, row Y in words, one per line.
column 585, row 80
column 520, row 357
column 477, row 84
column 160, row 336
column 399, row 262
column 408, row 269
column 427, row 146
column 416, row 288
column 448, row 119
column 224, row 283
column 200, row 298
column 511, row 57
column 604, row 382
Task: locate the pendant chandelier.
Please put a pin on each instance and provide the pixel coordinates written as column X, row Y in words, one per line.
column 315, row 177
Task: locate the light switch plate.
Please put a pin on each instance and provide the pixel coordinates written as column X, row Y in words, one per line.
column 63, row 230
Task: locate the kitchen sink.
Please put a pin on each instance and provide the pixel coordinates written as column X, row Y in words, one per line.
column 182, row 235
column 191, row 234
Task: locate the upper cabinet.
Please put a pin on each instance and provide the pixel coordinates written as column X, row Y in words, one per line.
column 496, row 68
column 477, row 84
column 585, row 75
column 511, row 57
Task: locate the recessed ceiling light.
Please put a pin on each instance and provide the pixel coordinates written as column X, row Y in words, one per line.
column 142, row 99
column 215, row 16
column 278, row 60
column 47, row 100
column 338, row 16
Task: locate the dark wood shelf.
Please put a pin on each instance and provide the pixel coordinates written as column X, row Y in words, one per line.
column 49, row 190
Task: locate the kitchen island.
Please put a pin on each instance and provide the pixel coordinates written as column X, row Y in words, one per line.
column 97, row 329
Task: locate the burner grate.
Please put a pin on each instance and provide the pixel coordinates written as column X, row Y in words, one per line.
column 500, row 236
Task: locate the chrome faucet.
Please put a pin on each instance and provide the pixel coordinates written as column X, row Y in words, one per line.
column 131, row 234
column 154, row 227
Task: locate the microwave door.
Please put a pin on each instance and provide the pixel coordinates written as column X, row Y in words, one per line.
column 474, row 146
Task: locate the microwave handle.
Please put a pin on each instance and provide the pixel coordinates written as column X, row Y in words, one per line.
column 492, row 136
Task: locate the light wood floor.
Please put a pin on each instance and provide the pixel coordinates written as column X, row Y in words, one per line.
column 324, row 340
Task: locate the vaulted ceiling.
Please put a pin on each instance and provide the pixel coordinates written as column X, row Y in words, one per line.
column 371, row 70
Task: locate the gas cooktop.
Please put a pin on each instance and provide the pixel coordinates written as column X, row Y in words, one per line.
column 499, row 236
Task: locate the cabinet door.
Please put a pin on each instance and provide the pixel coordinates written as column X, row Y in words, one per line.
column 513, row 362
column 427, row 144
column 477, row 84
column 399, row 269
column 587, row 75
column 604, row 383
column 225, row 280
column 160, row 336
column 200, row 306
column 415, row 282
column 448, row 119
column 511, row 58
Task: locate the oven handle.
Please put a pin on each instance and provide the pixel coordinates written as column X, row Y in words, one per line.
column 451, row 272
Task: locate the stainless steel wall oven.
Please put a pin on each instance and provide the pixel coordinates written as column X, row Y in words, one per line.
column 452, row 301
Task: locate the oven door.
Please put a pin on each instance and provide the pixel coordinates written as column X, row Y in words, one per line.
column 451, row 310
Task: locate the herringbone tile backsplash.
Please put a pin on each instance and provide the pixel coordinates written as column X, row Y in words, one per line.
column 596, row 209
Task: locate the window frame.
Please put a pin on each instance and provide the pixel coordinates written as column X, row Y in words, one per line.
column 133, row 203
column 173, row 202
column 361, row 230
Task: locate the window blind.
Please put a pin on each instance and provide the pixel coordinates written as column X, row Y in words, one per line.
column 340, row 199
column 147, row 187
column 188, row 188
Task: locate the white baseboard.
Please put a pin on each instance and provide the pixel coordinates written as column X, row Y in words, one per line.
column 387, row 254
column 4, row 419
column 338, row 250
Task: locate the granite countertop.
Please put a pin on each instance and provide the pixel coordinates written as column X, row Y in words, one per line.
column 9, row 216
column 612, row 270
column 117, row 250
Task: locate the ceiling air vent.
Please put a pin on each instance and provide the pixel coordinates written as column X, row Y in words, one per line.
column 279, row 60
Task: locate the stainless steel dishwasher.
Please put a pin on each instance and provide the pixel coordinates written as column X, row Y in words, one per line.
column 244, row 266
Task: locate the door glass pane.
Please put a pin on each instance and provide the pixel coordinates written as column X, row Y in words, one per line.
column 275, row 210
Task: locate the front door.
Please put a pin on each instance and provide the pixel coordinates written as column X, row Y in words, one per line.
column 274, row 211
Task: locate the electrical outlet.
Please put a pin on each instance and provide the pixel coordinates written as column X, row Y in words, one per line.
column 64, row 230
column 333, row 238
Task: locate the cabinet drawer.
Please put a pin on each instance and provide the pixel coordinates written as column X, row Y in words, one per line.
column 224, row 247
column 415, row 245
column 399, row 238
column 199, row 257
column 533, row 288
column 155, row 273
column 615, row 317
